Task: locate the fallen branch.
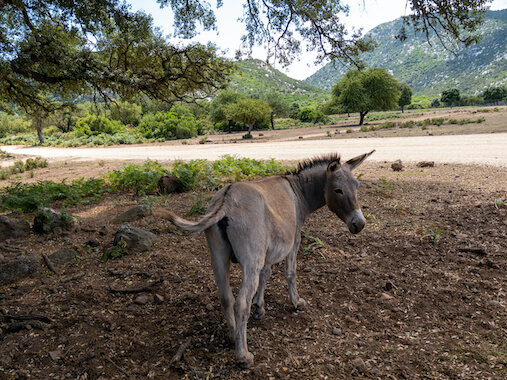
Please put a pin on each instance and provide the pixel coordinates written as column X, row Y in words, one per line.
column 117, row 274
column 144, row 288
column 181, row 350
column 74, row 277
column 33, row 317
column 49, row 264
column 118, row 367
column 26, row 325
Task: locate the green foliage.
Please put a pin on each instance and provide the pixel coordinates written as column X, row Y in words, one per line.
column 371, row 90
column 451, row 96
column 141, row 179
column 435, row 103
column 21, row 167
column 387, row 125
column 405, row 96
column 116, row 251
column 178, row 123
column 126, row 113
column 312, row 244
column 247, row 111
column 30, row 197
column 93, row 125
column 198, row 207
column 495, row 94
column 13, row 124
column 311, row 115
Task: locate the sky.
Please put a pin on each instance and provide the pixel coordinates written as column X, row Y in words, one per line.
column 365, row 14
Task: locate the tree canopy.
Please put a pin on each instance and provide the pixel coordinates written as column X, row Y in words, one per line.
column 53, row 51
column 405, row 96
column 248, row 111
column 450, row 96
column 363, row 91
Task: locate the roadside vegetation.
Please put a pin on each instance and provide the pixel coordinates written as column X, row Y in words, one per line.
column 141, row 180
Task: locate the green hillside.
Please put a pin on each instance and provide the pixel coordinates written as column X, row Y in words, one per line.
column 429, row 68
column 255, row 78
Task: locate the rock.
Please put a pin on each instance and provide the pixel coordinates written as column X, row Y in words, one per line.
column 385, row 296
column 12, row 270
column 133, row 214
column 494, row 303
column 397, row 166
column 47, row 220
column 169, row 184
column 135, row 239
column 209, row 307
column 12, row 228
column 158, row 299
column 337, row 331
column 63, row 256
column 359, row 364
column 141, row 299
column 426, row 164
column 55, row 355
column 93, row 243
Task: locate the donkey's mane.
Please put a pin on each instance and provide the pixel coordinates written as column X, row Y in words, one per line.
column 319, row 160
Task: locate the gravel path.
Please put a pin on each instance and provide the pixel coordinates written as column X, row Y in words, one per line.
column 488, row 149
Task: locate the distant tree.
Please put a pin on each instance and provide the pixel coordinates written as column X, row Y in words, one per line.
column 435, row 103
column 372, row 90
column 405, row 96
column 494, row 94
column 248, row 111
column 280, row 106
column 450, row 96
column 217, row 109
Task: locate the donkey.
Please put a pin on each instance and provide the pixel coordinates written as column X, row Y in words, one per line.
column 258, row 224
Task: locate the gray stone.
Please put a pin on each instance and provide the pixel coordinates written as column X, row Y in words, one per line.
column 12, row 228
column 63, row 256
column 15, row 269
column 48, row 220
column 135, row 239
column 133, row 214
column 397, row 166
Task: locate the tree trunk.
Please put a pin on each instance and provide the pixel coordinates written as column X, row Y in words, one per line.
column 38, row 125
column 250, row 128
column 361, row 117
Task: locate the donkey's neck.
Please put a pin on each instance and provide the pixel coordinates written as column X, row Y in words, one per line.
column 309, row 186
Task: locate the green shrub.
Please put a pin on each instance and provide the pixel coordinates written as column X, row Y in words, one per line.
column 30, row 197
column 438, row 121
column 178, row 123
column 311, row 115
column 93, row 125
column 387, row 125
column 141, row 179
column 407, row 124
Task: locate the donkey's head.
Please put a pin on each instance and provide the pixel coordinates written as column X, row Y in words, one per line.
column 341, row 192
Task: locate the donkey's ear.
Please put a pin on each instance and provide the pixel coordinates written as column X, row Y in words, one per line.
column 333, row 166
column 356, row 161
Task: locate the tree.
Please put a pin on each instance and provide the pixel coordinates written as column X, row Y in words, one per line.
column 372, row 90
column 450, row 96
column 53, row 51
column 217, row 110
column 248, row 111
column 405, row 96
column 494, row 94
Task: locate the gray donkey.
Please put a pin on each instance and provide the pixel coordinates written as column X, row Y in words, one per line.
column 258, row 224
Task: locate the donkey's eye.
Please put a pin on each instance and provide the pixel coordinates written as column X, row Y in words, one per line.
column 338, row 191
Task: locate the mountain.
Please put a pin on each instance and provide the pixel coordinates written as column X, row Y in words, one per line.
column 429, row 68
column 256, row 77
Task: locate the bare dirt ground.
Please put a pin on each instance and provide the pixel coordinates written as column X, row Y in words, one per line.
column 421, row 293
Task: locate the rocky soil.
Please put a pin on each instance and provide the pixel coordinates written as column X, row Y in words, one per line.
column 420, row 293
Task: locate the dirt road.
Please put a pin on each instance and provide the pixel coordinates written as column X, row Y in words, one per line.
column 488, row 149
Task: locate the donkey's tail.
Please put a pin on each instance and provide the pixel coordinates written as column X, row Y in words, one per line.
column 214, row 215
column 204, row 223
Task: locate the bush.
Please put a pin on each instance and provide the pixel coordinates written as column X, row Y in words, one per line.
column 142, row 179
column 387, row 125
column 311, row 115
column 93, row 125
column 178, row 123
column 407, row 124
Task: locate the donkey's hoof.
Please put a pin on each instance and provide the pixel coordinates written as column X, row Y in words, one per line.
column 259, row 312
column 247, row 361
column 301, row 305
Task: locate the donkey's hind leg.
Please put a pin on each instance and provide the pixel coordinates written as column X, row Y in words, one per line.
column 221, row 253
column 258, row 302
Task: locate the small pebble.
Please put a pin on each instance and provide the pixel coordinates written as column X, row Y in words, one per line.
column 359, row 364
column 337, row 331
column 494, row 303
column 141, row 299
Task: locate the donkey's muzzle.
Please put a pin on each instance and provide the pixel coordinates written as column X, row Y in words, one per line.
column 356, row 222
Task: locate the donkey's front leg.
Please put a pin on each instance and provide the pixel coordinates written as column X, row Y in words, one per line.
column 291, row 273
